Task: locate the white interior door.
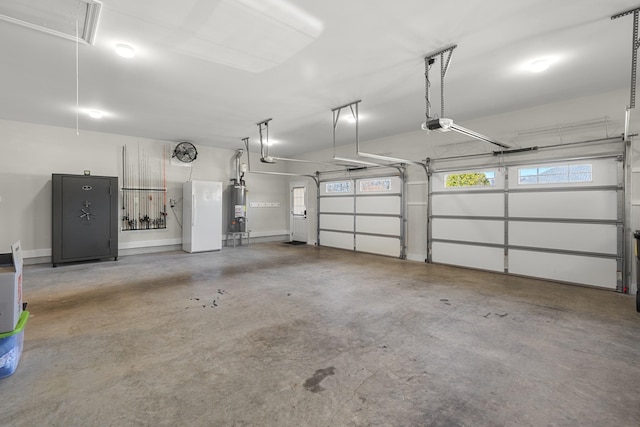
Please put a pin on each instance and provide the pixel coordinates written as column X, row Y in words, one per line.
column 298, row 204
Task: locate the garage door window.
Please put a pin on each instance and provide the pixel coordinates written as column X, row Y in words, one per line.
column 470, row 179
column 338, row 187
column 375, row 185
column 557, row 174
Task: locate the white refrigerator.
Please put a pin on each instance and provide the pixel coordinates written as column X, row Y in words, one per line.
column 201, row 216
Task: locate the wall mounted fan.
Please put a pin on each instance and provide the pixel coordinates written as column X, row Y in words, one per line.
column 185, row 152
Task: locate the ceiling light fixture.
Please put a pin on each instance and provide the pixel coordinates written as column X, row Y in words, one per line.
column 95, row 114
column 539, row 65
column 351, row 119
column 125, row 50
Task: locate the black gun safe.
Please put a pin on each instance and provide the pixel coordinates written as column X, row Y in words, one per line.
column 85, row 218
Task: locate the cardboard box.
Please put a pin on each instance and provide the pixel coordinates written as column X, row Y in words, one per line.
column 10, row 288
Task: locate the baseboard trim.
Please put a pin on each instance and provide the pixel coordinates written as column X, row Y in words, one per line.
column 43, row 256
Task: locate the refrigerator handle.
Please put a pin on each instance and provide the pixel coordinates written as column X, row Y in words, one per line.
column 194, row 208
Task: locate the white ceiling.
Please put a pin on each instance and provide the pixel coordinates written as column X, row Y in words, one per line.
column 207, row 71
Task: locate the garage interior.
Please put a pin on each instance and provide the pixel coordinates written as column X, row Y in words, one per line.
column 426, row 212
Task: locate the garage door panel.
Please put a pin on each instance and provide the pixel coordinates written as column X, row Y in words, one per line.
column 595, row 238
column 336, row 222
column 599, row 205
column 468, row 230
column 386, row 205
column 336, row 204
column 564, row 228
column 485, row 258
column 336, row 240
column 601, row 272
column 475, row 204
column 372, row 218
column 378, row 245
column 378, row 225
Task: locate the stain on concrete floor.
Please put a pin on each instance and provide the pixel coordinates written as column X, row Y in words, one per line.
column 313, row 384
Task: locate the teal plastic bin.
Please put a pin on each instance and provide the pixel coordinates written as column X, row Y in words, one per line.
column 11, row 347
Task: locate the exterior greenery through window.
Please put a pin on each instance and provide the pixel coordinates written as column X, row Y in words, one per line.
column 471, row 179
column 559, row 174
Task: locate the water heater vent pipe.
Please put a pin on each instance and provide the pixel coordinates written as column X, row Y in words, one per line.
column 239, row 173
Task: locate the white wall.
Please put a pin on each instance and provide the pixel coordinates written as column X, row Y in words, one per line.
column 30, row 153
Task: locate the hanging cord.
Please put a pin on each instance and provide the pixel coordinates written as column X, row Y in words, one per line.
column 77, row 84
column 266, row 127
column 444, row 65
column 442, row 73
column 175, row 202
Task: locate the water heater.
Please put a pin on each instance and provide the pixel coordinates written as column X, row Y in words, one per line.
column 238, row 199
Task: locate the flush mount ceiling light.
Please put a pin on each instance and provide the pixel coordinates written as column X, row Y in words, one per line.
column 125, row 50
column 95, row 114
column 539, row 65
column 55, row 17
column 351, row 119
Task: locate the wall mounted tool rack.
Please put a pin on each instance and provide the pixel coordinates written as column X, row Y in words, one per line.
column 144, row 191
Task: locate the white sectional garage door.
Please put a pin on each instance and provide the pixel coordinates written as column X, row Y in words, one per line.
column 364, row 215
column 559, row 220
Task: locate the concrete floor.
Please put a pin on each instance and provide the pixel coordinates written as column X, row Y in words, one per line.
column 279, row 335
